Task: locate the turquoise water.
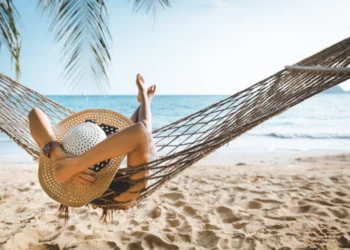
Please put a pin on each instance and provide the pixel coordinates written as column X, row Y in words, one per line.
column 165, row 109
column 320, row 124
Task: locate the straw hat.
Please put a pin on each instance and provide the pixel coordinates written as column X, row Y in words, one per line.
column 77, row 135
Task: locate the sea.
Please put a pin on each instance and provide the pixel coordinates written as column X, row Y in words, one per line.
column 317, row 126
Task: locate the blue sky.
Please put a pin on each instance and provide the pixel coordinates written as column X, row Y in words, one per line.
column 195, row 47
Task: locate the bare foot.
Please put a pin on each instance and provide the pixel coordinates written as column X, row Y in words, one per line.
column 140, row 85
column 151, row 92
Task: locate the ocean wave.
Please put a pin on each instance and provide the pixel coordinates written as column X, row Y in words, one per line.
column 304, row 136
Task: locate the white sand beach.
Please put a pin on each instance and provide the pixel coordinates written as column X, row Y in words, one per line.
column 303, row 206
column 261, row 86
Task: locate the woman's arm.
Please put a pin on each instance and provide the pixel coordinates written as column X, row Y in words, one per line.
column 41, row 130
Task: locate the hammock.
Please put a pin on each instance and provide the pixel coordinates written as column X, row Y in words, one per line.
column 186, row 141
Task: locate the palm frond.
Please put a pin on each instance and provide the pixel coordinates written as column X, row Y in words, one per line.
column 81, row 25
column 150, row 5
column 9, row 34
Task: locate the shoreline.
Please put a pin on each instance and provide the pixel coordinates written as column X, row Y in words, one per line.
column 218, row 207
column 221, row 157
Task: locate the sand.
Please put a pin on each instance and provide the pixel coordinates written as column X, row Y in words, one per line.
column 303, row 206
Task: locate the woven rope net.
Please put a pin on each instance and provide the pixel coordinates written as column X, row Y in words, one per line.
column 186, row 141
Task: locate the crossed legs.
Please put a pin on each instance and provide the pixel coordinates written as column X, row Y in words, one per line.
column 139, row 113
column 133, row 141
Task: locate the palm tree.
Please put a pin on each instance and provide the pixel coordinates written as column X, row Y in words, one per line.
column 81, row 27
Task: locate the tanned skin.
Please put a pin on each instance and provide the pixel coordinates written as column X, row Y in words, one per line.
column 132, row 141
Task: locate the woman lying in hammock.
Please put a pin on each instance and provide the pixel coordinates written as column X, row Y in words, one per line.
column 134, row 141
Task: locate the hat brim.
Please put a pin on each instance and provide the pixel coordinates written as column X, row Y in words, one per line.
column 71, row 193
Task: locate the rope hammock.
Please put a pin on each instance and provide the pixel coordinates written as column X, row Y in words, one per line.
column 186, row 141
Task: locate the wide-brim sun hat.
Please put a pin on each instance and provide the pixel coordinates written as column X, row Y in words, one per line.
column 70, row 193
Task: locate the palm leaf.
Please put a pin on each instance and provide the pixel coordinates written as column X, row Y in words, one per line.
column 81, row 25
column 150, row 5
column 9, row 34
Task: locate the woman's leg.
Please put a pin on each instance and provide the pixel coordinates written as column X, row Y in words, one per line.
column 145, row 114
column 142, row 114
column 134, row 116
column 150, row 93
column 133, row 141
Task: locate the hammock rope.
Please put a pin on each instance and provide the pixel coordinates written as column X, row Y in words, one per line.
column 186, row 141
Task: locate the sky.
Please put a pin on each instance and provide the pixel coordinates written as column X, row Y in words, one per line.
column 195, row 47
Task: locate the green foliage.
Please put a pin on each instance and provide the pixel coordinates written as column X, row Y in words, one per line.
column 81, row 26
column 82, row 29
column 9, row 35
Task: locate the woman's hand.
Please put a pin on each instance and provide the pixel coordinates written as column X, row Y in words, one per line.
column 65, row 168
column 58, row 153
column 88, row 176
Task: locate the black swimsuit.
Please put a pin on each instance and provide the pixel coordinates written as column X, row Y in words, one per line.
column 118, row 186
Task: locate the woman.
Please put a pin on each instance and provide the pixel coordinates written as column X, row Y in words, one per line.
column 134, row 141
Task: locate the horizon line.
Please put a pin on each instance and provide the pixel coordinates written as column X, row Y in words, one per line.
column 345, row 92
column 136, row 95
